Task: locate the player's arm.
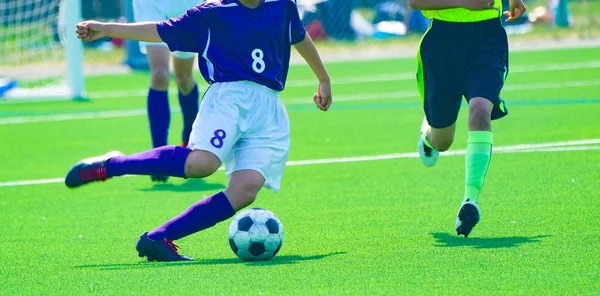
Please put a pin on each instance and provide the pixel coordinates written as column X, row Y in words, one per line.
column 92, row 30
column 306, row 48
column 517, row 8
column 445, row 4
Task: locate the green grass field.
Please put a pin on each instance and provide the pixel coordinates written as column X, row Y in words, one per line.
column 356, row 226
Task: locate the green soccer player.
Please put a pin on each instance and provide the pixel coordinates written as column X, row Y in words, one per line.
column 463, row 54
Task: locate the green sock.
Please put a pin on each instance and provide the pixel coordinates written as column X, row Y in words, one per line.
column 477, row 160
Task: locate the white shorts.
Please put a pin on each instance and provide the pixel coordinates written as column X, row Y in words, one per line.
column 160, row 10
column 246, row 126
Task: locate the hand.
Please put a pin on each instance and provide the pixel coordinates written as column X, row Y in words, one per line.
column 323, row 96
column 517, row 8
column 478, row 4
column 90, row 30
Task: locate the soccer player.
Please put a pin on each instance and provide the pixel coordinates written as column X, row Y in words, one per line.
column 463, row 54
column 159, row 114
column 245, row 48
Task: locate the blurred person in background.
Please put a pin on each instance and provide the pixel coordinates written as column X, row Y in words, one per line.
column 158, row 54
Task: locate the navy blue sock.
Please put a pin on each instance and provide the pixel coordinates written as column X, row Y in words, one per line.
column 161, row 161
column 159, row 116
column 189, row 110
column 201, row 215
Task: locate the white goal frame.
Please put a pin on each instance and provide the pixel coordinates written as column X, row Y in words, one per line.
column 73, row 87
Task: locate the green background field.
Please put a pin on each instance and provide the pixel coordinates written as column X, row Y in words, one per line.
column 369, row 227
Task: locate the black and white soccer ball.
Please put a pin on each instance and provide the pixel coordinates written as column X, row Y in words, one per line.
column 255, row 234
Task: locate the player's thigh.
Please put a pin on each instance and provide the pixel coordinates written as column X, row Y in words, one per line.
column 158, row 60
column 216, row 126
column 488, row 68
column 267, row 157
column 201, row 164
column 265, row 147
column 440, row 77
column 158, row 57
column 183, row 63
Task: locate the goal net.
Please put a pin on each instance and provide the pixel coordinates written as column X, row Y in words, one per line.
column 40, row 56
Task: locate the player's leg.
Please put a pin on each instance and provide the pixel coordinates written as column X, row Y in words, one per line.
column 488, row 68
column 241, row 191
column 183, row 64
column 258, row 160
column 439, row 82
column 213, row 135
column 173, row 161
column 159, row 114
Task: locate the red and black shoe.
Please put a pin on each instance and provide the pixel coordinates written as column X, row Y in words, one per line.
column 89, row 170
column 159, row 250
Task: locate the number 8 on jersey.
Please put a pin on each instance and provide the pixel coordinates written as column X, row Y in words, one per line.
column 259, row 64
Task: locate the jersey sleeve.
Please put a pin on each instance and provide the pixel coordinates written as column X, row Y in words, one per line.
column 187, row 32
column 297, row 30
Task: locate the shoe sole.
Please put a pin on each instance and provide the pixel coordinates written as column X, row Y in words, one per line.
column 152, row 258
column 469, row 217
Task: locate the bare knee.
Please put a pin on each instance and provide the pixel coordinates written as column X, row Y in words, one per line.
column 201, row 164
column 242, row 195
column 185, row 82
column 480, row 114
column 243, row 187
column 160, row 79
column 183, row 69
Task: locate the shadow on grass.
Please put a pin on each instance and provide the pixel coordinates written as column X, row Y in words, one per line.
column 448, row 240
column 188, row 185
column 277, row 260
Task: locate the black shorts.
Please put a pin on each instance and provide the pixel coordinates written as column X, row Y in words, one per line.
column 459, row 60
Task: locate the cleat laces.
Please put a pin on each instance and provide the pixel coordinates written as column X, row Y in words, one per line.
column 172, row 246
column 93, row 173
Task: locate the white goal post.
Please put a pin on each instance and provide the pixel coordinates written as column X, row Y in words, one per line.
column 40, row 55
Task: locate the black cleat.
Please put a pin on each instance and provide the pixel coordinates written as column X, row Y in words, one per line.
column 468, row 217
column 89, row 170
column 159, row 179
column 159, row 250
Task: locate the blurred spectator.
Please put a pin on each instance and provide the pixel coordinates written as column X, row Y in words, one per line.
column 104, row 10
column 330, row 19
column 101, row 9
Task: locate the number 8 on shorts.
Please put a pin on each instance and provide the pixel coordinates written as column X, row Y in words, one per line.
column 217, row 140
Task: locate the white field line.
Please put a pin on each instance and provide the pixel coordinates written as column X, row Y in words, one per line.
column 578, row 145
column 412, row 75
column 292, row 101
column 111, row 94
column 375, row 78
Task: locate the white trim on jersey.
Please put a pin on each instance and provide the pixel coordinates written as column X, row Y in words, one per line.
column 226, row 5
column 290, row 32
column 209, row 64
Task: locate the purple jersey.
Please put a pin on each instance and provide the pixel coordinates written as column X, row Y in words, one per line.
column 236, row 42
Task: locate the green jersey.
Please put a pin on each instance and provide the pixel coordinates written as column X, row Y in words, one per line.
column 463, row 15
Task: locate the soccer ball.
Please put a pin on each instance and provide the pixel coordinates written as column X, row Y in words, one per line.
column 255, row 234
